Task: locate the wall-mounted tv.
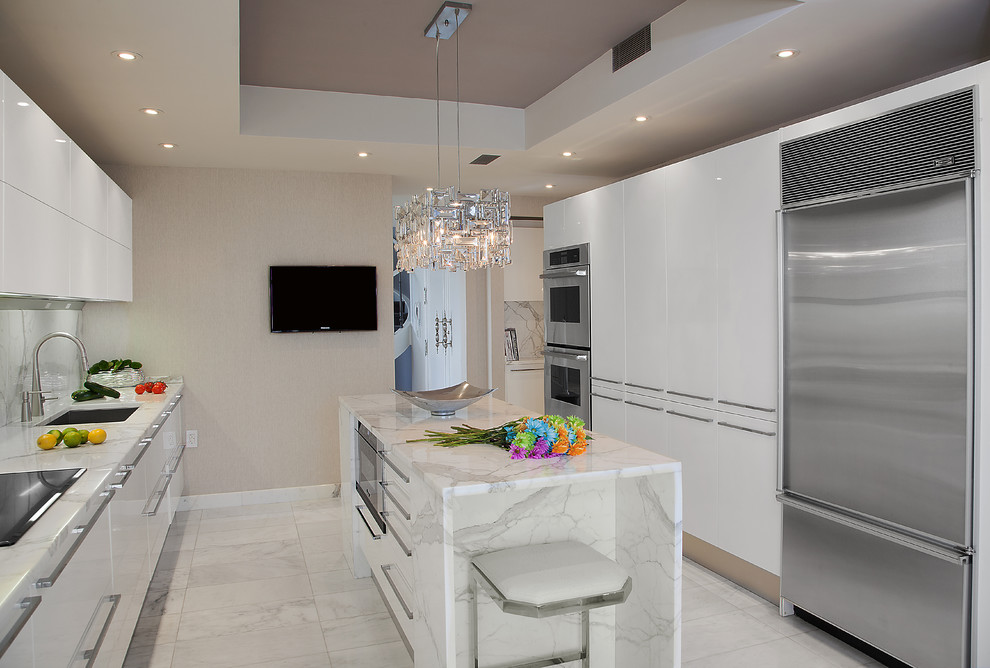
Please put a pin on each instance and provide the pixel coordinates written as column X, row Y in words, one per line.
column 323, row 299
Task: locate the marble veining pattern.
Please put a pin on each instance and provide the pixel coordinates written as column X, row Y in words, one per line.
column 527, row 319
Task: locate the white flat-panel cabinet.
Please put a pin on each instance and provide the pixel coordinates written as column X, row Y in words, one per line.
column 36, row 247
column 87, row 262
column 608, row 317
column 691, row 299
column 646, row 423
column 35, row 150
column 692, row 439
column 119, row 272
column 749, row 516
column 524, row 385
column 88, row 191
column 645, row 281
column 174, row 453
column 746, row 229
column 118, row 215
column 554, row 225
column 608, row 411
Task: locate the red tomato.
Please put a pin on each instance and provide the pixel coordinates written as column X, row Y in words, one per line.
column 139, row 389
column 149, row 386
column 158, row 388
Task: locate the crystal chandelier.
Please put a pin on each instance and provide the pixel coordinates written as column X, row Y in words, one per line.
column 445, row 228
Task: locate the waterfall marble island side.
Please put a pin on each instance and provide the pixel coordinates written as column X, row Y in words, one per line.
column 443, row 506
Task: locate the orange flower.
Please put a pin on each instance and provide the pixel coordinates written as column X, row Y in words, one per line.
column 577, row 449
column 559, row 449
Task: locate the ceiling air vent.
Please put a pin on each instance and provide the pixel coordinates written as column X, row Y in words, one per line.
column 485, row 159
column 631, row 48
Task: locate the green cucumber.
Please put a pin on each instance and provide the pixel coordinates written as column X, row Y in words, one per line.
column 85, row 395
column 102, row 390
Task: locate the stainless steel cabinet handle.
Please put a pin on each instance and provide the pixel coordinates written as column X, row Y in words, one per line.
column 124, row 477
column 391, row 583
column 753, row 431
column 581, row 357
column 540, row 369
column 83, row 531
column 374, row 536
column 609, row 380
column 391, row 530
column 398, row 506
column 28, row 605
column 755, row 408
column 602, row 396
column 381, row 453
column 561, row 273
column 167, row 477
column 643, row 387
column 652, row 408
column 90, row 654
column 173, row 466
column 690, row 396
column 143, row 448
column 689, row 417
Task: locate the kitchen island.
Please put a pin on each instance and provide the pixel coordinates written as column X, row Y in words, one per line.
column 443, row 506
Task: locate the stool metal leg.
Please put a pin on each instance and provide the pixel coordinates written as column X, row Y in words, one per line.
column 586, row 639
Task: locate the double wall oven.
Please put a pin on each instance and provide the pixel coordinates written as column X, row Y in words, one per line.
column 567, row 311
column 370, row 476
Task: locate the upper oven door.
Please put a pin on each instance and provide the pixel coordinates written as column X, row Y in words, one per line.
column 567, row 306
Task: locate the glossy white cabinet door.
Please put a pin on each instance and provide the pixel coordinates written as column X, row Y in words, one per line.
column 554, row 235
column 175, row 438
column 88, row 191
column 749, row 195
column 119, row 272
column 118, row 215
column 35, row 150
column 607, row 413
column 646, row 423
column 521, row 279
column 645, row 280
column 608, row 313
column 36, row 247
column 691, row 438
column 691, row 307
column 88, row 274
column 749, row 516
column 4, row 83
column 524, row 387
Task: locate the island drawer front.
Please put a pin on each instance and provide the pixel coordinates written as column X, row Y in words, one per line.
column 392, row 551
column 398, row 499
column 392, row 585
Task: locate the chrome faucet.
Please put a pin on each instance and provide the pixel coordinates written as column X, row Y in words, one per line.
column 36, row 398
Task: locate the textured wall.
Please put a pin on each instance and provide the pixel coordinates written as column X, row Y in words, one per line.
column 265, row 405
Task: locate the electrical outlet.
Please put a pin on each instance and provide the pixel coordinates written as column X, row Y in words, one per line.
column 192, row 438
column 169, row 440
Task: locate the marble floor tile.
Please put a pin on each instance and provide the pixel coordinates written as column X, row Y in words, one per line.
column 311, row 661
column 169, row 578
column 322, row 528
column 187, row 516
column 155, row 630
column 320, row 561
column 345, row 604
column 327, row 503
column 246, row 571
column 316, row 515
column 699, row 602
column 324, row 543
column 175, row 560
column 245, row 522
column 266, row 647
column 783, row 653
column 181, row 538
column 830, row 647
column 360, row 631
column 254, row 509
column 332, row 582
column 721, row 633
column 734, row 594
column 787, row 626
column 243, row 593
column 150, row 656
column 247, row 536
column 223, row 554
column 163, row 602
column 392, row 655
column 246, row 618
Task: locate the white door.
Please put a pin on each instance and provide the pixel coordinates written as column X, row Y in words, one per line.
column 608, row 312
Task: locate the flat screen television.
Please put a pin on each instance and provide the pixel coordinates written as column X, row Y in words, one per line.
column 323, row 299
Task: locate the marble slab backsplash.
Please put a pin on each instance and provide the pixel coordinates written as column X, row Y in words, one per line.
column 527, row 319
column 20, row 331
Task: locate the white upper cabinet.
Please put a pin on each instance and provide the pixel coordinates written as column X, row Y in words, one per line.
column 118, row 215
column 603, row 213
column 553, row 225
column 35, row 150
column 88, row 274
column 88, row 191
column 746, row 227
column 691, row 301
column 646, row 281
column 522, row 277
column 37, row 255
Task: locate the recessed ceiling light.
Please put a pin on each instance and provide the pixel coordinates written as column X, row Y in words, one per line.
column 567, row 154
column 363, row 154
column 549, row 185
column 642, row 119
column 167, row 145
column 152, row 111
column 127, row 55
column 23, row 104
column 787, row 53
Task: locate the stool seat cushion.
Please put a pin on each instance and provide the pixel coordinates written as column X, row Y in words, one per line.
column 551, row 572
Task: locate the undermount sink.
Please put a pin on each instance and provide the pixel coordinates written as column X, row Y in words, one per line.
column 85, row 415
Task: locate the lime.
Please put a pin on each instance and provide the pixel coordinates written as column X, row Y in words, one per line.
column 97, row 436
column 57, row 434
column 67, row 430
column 84, row 433
column 72, row 439
column 47, row 441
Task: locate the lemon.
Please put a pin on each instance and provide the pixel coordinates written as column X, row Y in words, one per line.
column 47, row 441
column 97, row 436
column 72, row 439
column 57, row 434
column 84, row 433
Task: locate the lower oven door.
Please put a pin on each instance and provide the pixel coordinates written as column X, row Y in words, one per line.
column 567, row 383
column 370, row 474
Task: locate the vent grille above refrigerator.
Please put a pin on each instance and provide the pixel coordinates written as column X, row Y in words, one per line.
column 925, row 141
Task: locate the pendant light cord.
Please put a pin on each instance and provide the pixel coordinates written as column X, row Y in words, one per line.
column 457, row 79
column 438, row 105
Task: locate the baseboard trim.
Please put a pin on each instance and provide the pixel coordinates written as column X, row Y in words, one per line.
column 759, row 581
column 280, row 495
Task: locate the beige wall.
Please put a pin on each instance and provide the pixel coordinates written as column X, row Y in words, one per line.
column 265, row 405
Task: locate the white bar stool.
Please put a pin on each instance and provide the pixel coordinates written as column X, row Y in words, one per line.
column 545, row 581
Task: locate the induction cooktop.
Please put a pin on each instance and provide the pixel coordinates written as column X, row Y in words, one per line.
column 26, row 495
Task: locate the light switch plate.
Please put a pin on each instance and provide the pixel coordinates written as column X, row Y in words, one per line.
column 192, row 438
column 169, row 440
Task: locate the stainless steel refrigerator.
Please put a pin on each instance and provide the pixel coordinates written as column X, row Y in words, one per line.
column 876, row 460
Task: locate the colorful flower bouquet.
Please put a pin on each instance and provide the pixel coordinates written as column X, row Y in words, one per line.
column 526, row 438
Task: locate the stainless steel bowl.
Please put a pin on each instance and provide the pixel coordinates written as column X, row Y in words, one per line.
column 446, row 401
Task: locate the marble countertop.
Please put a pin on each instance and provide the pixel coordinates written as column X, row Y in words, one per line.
column 481, row 469
column 39, row 550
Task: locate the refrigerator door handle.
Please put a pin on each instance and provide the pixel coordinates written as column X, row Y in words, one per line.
column 956, row 554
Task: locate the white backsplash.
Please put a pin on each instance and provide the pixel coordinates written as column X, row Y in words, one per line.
column 20, row 331
column 527, row 318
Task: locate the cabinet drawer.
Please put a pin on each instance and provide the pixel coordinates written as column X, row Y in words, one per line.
column 398, row 596
column 396, row 548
